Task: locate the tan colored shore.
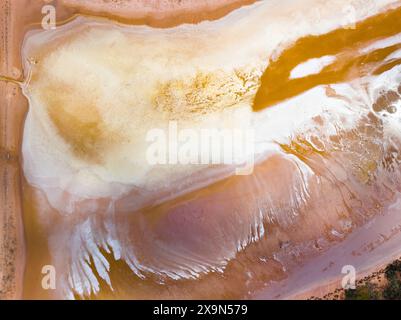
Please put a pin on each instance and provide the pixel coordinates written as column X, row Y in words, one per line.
column 157, row 13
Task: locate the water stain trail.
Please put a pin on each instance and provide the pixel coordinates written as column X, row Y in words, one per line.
column 344, row 44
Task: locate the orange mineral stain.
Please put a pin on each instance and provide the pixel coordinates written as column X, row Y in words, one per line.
column 344, row 44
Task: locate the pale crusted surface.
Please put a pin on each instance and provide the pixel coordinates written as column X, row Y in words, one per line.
column 159, row 13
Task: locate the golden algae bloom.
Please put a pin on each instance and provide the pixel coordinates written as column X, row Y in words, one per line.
column 124, row 198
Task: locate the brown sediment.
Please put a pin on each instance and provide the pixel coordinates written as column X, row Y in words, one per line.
column 334, row 291
column 385, row 101
column 344, row 44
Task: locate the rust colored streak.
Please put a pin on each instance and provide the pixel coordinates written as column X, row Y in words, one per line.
column 12, row 113
column 344, row 43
